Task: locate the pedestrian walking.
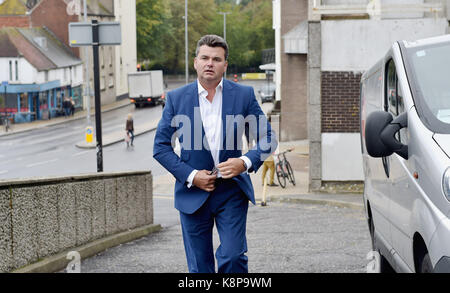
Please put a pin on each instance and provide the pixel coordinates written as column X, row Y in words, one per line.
column 269, row 164
column 129, row 128
column 72, row 106
column 66, row 106
column 213, row 185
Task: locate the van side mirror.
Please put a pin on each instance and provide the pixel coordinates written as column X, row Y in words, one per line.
column 380, row 134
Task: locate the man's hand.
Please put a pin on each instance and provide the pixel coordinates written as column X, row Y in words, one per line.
column 232, row 167
column 205, row 181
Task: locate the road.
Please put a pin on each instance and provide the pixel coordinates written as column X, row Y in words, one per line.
column 281, row 238
column 51, row 151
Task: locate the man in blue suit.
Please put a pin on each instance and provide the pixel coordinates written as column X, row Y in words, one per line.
column 212, row 181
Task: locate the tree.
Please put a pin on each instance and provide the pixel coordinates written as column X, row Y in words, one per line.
column 161, row 31
column 151, row 17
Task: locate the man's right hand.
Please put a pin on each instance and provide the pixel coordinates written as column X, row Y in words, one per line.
column 205, row 181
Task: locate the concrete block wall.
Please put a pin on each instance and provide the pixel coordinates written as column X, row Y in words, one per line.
column 45, row 216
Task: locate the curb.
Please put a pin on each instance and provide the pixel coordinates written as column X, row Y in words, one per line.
column 335, row 203
column 93, row 145
column 296, row 200
column 59, row 262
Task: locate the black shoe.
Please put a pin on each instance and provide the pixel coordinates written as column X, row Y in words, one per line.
column 273, row 184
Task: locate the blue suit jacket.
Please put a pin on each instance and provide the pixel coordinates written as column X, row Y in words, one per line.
column 181, row 119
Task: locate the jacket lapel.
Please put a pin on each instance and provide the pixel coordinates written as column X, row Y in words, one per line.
column 228, row 96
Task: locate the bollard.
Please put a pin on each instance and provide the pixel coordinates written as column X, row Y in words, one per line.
column 89, row 134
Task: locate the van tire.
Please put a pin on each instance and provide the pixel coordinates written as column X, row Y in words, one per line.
column 426, row 266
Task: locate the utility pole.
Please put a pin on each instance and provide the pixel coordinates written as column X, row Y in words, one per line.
column 88, row 85
column 186, row 39
column 225, row 29
column 224, row 24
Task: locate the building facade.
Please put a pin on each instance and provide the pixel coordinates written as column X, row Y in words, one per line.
column 345, row 39
column 325, row 46
column 40, row 71
column 126, row 53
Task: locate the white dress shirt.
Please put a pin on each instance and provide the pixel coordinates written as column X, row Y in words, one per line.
column 211, row 113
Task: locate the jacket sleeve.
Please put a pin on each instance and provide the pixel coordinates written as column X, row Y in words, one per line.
column 162, row 148
column 261, row 132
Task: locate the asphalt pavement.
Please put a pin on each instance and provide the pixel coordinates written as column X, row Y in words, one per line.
column 297, row 231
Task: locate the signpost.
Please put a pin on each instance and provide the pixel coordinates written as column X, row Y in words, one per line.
column 95, row 34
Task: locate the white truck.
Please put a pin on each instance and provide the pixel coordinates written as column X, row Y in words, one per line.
column 146, row 88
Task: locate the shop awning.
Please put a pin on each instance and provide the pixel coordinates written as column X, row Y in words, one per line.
column 28, row 88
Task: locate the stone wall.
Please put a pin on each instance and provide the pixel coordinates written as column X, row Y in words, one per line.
column 45, row 216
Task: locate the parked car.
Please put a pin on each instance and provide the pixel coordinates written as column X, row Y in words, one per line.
column 267, row 93
column 405, row 139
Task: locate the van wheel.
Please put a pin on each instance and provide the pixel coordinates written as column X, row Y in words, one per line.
column 426, row 266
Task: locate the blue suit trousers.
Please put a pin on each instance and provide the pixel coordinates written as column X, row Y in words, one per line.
column 227, row 207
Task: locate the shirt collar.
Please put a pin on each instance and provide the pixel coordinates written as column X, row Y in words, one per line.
column 202, row 90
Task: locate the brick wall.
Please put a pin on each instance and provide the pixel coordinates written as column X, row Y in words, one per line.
column 14, row 21
column 340, row 101
column 53, row 15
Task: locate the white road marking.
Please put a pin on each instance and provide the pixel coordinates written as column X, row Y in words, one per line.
column 41, row 163
column 81, row 153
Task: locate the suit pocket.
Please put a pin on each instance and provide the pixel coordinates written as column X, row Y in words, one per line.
column 185, row 156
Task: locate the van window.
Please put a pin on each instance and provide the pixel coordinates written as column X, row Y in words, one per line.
column 391, row 88
column 428, row 69
column 394, row 98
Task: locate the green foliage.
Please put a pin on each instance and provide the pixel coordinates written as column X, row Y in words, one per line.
column 160, row 25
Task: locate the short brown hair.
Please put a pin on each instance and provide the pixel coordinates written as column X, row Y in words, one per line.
column 212, row 41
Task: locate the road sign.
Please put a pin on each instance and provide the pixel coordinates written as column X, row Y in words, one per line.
column 80, row 34
column 95, row 34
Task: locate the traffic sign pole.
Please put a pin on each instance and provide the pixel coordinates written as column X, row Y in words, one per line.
column 96, row 34
column 98, row 112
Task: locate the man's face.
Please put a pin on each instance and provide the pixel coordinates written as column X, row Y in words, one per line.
column 210, row 64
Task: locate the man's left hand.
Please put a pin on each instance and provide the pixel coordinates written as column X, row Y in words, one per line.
column 232, row 167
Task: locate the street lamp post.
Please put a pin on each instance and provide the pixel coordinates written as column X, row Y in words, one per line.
column 225, row 29
column 224, row 24
column 186, row 52
column 87, row 86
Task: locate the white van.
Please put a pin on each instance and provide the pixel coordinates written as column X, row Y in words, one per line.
column 405, row 143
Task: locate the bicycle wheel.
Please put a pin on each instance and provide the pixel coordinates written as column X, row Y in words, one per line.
column 280, row 175
column 290, row 173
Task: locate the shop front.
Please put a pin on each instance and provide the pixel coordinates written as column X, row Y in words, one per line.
column 26, row 103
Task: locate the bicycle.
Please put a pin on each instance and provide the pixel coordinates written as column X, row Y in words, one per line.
column 284, row 169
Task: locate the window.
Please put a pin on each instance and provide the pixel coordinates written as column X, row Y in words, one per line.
column 102, row 83
column 110, row 57
column 10, row 71
column 17, row 70
column 111, row 80
column 394, row 102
